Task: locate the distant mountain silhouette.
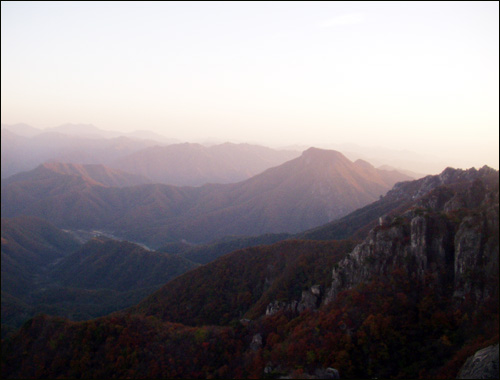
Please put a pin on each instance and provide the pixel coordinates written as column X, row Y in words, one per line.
column 410, row 173
column 20, row 153
column 98, row 175
column 81, row 130
column 194, row 164
column 86, row 131
column 179, row 164
column 91, row 131
column 311, row 190
column 22, row 129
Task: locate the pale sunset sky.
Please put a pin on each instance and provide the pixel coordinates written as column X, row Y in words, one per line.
column 419, row 76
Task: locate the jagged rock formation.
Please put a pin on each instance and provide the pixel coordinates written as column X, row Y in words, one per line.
column 482, row 365
column 419, row 188
column 451, row 233
column 310, row 300
column 256, row 343
column 402, row 196
column 277, row 306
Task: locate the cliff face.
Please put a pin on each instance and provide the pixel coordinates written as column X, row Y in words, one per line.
column 451, row 234
column 482, row 365
column 310, row 300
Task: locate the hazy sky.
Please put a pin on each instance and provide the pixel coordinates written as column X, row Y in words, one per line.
column 419, row 76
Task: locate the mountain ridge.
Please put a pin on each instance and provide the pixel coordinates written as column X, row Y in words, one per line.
column 20, row 153
column 94, row 174
column 191, row 164
column 402, row 195
column 304, row 192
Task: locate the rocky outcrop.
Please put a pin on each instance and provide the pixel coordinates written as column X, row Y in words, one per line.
column 310, row 300
column 451, row 233
column 329, row 373
column 482, row 365
column 421, row 187
column 272, row 371
column 256, row 343
column 277, row 306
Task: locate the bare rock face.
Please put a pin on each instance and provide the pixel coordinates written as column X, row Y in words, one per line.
column 310, row 300
column 451, row 233
column 256, row 343
column 277, row 306
column 482, row 365
column 382, row 250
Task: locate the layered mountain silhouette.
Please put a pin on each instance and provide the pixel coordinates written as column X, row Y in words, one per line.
column 22, row 153
column 194, row 164
column 86, row 131
column 143, row 153
column 308, row 191
column 94, row 175
column 22, row 129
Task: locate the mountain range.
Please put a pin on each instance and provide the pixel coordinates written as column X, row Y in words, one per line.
column 459, row 195
column 86, row 131
column 157, row 159
column 94, row 175
column 400, row 197
column 20, row 153
column 305, row 192
column 412, row 296
column 194, row 164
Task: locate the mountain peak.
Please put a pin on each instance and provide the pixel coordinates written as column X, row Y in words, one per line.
column 60, row 167
column 323, row 155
